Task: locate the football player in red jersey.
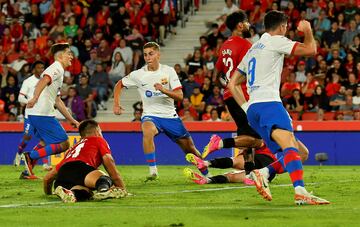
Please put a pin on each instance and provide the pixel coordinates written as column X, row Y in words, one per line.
column 78, row 174
column 231, row 54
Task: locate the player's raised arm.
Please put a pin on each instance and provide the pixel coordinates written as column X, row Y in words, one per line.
column 110, row 167
column 308, row 48
column 43, row 82
column 117, row 109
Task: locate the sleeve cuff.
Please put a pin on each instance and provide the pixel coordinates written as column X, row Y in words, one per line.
column 46, row 75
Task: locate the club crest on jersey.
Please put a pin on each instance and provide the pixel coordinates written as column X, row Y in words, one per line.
column 148, row 93
column 164, row 81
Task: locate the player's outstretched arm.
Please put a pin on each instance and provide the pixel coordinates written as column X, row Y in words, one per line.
column 110, row 167
column 63, row 110
column 48, row 181
column 235, row 89
column 117, row 109
column 308, row 48
column 43, row 82
column 176, row 94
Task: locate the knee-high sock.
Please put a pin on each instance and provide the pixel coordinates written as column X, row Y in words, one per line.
column 47, row 150
column 293, row 166
column 23, row 143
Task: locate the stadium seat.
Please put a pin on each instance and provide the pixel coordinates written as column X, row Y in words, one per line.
column 309, row 116
column 329, row 116
column 294, row 116
column 4, row 117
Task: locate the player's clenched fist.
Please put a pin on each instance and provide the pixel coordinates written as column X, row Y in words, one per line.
column 158, row 86
column 304, row 25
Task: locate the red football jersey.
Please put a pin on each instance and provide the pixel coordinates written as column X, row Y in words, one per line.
column 230, row 55
column 89, row 150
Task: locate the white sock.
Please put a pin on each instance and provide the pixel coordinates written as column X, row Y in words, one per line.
column 300, row 190
column 153, row 170
column 265, row 172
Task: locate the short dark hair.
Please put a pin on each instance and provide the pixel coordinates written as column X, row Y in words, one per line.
column 153, row 45
column 274, row 19
column 86, row 127
column 233, row 19
column 59, row 47
column 38, row 62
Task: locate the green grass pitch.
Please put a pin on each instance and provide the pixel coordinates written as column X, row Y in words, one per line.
column 175, row 201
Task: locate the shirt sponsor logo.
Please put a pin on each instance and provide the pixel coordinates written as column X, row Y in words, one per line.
column 148, row 93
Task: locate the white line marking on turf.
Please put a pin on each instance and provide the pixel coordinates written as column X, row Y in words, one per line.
column 38, row 205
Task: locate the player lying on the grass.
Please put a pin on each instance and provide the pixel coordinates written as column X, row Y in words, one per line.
column 158, row 86
column 262, row 66
column 78, row 174
column 41, row 111
column 243, row 163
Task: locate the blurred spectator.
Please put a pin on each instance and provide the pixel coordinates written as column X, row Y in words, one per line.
column 352, row 84
column 146, row 29
column 349, row 34
column 67, row 14
column 90, row 27
column 104, row 52
column 349, row 63
column 57, row 29
column 300, row 72
column 321, row 24
column 289, row 86
column 210, row 60
column 348, row 108
column 214, row 35
column 135, row 40
column 102, row 15
column 229, row 7
column 334, row 86
column 356, row 98
column 10, row 88
column 225, row 115
column 203, row 45
column 181, row 74
column 314, row 11
column 254, row 36
column 336, row 68
column 12, row 117
column 117, row 71
column 71, row 29
column 12, row 105
column 68, row 82
column 319, row 100
column 137, row 116
column 126, row 53
column 99, row 82
column 156, row 19
column 207, row 88
column 197, row 100
column 75, row 67
column 350, row 10
column 195, row 62
column 187, row 106
column 296, row 102
column 308, row 87
column 215, row 99
column 86, row 94
column 214, row 115
column 332, row 36
column 75, row 104
column 338, row 99
column 92, row 62
column 188, row 85
column 355, row 47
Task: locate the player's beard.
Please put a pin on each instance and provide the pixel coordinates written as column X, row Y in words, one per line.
column 246, row 33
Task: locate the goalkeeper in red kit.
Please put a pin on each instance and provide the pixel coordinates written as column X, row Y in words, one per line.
column 77, row 175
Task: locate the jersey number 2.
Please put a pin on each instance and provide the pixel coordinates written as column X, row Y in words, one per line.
column 251, row 71
column 228, row 62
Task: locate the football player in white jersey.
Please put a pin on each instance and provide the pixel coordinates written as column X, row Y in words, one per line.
column 26, row 93
column 158, row 86
column 41, row 111
column 262, row 66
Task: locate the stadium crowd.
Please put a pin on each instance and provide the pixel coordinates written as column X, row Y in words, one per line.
column 322, row 88
column 106, row 39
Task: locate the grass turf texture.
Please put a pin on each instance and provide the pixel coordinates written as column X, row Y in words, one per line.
column 175, row 201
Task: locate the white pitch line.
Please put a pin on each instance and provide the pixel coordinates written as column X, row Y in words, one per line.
column 37, row 205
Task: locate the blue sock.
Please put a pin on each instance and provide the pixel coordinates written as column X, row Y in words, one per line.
column 150, row 159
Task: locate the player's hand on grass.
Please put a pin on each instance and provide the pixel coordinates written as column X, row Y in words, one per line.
column 118, row 110
column 158, row 87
